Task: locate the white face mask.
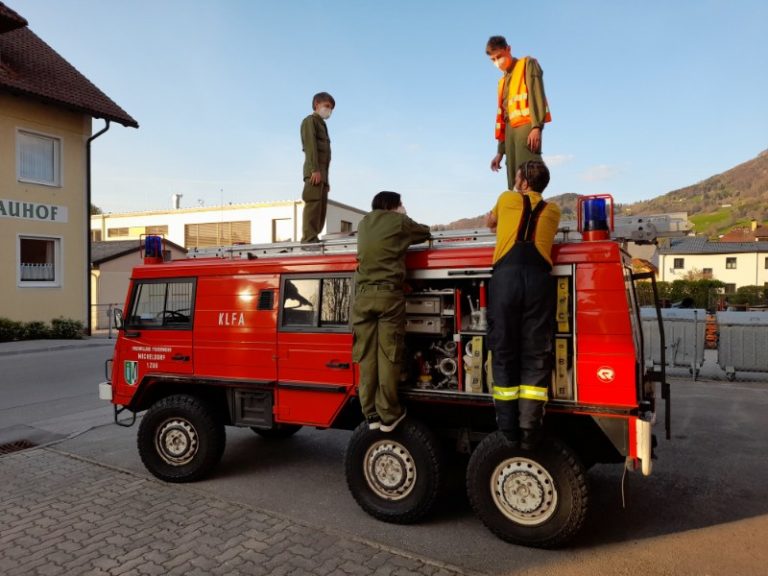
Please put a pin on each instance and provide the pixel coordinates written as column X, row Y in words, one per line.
column 400, row 209
column 501, row 63
column 324, row 112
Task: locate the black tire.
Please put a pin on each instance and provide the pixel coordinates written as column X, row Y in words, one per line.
column 395, row 476
column 180, row 439
column 535, row 497
column 278, row 431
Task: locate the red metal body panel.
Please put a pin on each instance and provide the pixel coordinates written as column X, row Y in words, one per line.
column 233, row 339
column 322, row 365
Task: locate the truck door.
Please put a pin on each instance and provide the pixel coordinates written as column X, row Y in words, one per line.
column 157, row 336
column 314, row 368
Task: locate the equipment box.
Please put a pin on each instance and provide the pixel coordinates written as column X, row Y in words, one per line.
column 423, row 305
column 426, row 325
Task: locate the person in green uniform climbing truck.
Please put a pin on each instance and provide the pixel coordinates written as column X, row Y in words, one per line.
column 378, row 313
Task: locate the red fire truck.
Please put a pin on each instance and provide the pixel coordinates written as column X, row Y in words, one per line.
column 260, row 337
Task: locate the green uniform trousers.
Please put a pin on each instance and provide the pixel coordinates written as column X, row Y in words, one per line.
column 516, row 150
column 378, row 322
column 315, row 208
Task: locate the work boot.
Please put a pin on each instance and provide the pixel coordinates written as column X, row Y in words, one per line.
column 529, row 438
column 513, row 437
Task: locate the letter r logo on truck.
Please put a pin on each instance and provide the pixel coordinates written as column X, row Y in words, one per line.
column 606, row 374
column 130, row 372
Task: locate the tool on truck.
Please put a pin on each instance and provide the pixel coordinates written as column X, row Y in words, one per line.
column 259, row 336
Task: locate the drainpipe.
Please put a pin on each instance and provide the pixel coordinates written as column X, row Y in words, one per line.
column 88, row 225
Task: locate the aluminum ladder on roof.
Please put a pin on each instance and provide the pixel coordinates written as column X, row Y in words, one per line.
column 343, row 244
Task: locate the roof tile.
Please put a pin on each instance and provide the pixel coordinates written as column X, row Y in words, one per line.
column 30, row 67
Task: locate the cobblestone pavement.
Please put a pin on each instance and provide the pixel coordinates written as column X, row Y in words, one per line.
column 62, row 514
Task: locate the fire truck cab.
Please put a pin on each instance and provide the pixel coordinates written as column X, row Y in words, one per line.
column 260, row 337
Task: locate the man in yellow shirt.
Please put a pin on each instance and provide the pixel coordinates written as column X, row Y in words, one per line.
column 522, row 300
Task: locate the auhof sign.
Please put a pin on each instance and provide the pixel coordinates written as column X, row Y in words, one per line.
column 32, row 211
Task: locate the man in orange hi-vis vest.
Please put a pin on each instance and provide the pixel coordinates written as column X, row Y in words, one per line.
column 522, row 108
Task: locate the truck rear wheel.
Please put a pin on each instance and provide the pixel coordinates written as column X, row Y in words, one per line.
column 180, row 439
column 394, row 476
column 531, row 497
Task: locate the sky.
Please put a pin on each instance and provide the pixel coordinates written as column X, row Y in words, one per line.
column 646, row 97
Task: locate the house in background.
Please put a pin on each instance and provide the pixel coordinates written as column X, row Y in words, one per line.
column 46, row 112
column 207, row 226
column 754, row 233
column 111, row 266
column 736, row 264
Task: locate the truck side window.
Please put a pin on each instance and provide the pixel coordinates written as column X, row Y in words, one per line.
column 312, row 303
column 336, row 300
column 300, row 297
column 164, row 304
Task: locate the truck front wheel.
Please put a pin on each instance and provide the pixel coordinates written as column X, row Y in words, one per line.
column 180, row 439
column 531, row 497
column 394, row 476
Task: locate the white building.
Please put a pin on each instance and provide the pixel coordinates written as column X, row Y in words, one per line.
column 735, row 263
column 254, row 223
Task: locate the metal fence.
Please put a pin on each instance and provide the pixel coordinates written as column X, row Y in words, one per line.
column 727, row 345
column 102, row 318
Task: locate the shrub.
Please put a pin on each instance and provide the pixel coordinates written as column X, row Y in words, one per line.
column 66, row 328
column 36, row 330
column 10, row 330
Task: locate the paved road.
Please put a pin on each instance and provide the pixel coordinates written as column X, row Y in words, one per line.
column 704, row 511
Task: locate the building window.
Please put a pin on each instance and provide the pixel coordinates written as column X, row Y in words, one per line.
column 39, row 261
column 346, row 227
column 95, row 235
column 730, row 288
column 730, row 263
column 679, row 263
column 217, row 234
column 118, row 232
column 706, row 273
column 282, row 229
column 39, row 159
column 161, row 230
column 766, row 263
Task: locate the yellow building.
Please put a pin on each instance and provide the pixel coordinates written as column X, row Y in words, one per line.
column 46, row 110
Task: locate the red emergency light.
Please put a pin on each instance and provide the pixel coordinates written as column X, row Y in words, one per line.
column 595, row 219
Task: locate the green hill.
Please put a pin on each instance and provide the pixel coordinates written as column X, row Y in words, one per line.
column 714, row 205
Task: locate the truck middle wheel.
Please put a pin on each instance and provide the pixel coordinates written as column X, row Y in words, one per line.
column 396, row 476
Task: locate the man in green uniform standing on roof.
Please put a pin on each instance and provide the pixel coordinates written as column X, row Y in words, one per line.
column 317, row 160
column 522, row 108
column 378, row 314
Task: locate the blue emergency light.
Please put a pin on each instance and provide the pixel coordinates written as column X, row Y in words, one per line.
column 595, row 217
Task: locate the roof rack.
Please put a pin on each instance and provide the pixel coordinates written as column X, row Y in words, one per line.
column 638, row 229
column 342, row 244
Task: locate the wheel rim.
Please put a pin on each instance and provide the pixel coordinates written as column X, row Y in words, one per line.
column 389, row 470
column 176, row 442
column 524, row 491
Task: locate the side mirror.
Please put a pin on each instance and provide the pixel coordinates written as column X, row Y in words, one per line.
column 117, row 318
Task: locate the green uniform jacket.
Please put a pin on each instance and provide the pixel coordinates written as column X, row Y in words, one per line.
column 383, row 237
column 537, row 101
column 316, row 145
